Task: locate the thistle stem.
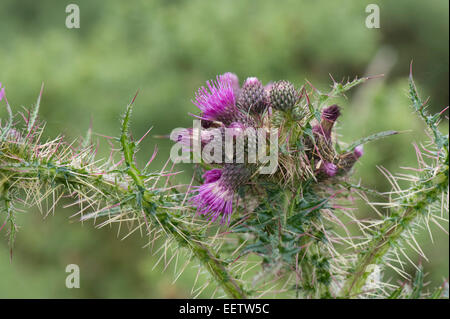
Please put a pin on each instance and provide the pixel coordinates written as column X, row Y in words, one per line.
column 183, row 236
column 391, row 231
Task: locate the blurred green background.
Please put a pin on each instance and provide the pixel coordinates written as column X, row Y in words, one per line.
column 167, row 49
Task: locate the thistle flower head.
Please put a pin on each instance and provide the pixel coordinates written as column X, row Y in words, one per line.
column 234, row 112
column 234, row 80
column 253, row 96
column 330, row 169
column 212, row 175
column 283, row 95
column 218, row 101
column 328, row 118
column 215, row 197
column 331, row 113
column 358, row 151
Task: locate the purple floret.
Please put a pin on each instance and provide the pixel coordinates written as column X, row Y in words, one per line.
column 213, row 200
column 330, row 169
column 359, row 151
column 212, row 175
column 218, row 102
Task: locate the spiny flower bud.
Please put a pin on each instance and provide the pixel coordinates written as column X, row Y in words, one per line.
column 358, row 151
column 348, row 160
column 253, row 96
column 283, row 95
column 330, row 169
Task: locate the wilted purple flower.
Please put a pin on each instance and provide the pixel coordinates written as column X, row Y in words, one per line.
column 2, row 92
column 328, row 118
column 218, row 102
column 331, row 113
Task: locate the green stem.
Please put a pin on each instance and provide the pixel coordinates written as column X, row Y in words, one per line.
column 183, row 236
column 18, row 167
column 391, row 231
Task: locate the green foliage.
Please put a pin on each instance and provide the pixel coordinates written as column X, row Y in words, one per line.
column 167, row 49
column 297, row 228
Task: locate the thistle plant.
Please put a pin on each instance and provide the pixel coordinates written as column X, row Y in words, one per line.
column 290, row 232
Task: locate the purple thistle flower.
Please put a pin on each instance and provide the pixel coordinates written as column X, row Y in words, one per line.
column 348, row 160
column 358, row 151
column 331, row 113
column 218, row 102
column 233, row 78
column 328, row 118
column 212, row 175
column 2, row 92
column 215, row 197
column 330, row 169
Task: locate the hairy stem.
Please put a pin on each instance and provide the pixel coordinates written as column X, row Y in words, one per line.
column 63, row 175
column 183, row 236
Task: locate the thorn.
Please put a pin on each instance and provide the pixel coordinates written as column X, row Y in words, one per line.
column 135, row 96
column 410, row 70
column 137, row 143
column 42, row 90
column 332, row 78
column 370, row 77
column 440, row 113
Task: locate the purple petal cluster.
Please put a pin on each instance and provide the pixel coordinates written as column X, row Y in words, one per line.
column 329, row 116
column 218, row 101
column 330, row 169
column 215, row 197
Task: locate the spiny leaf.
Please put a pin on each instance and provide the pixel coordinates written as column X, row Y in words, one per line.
column 431, row 121
column 370, row 138
column 34, row 112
